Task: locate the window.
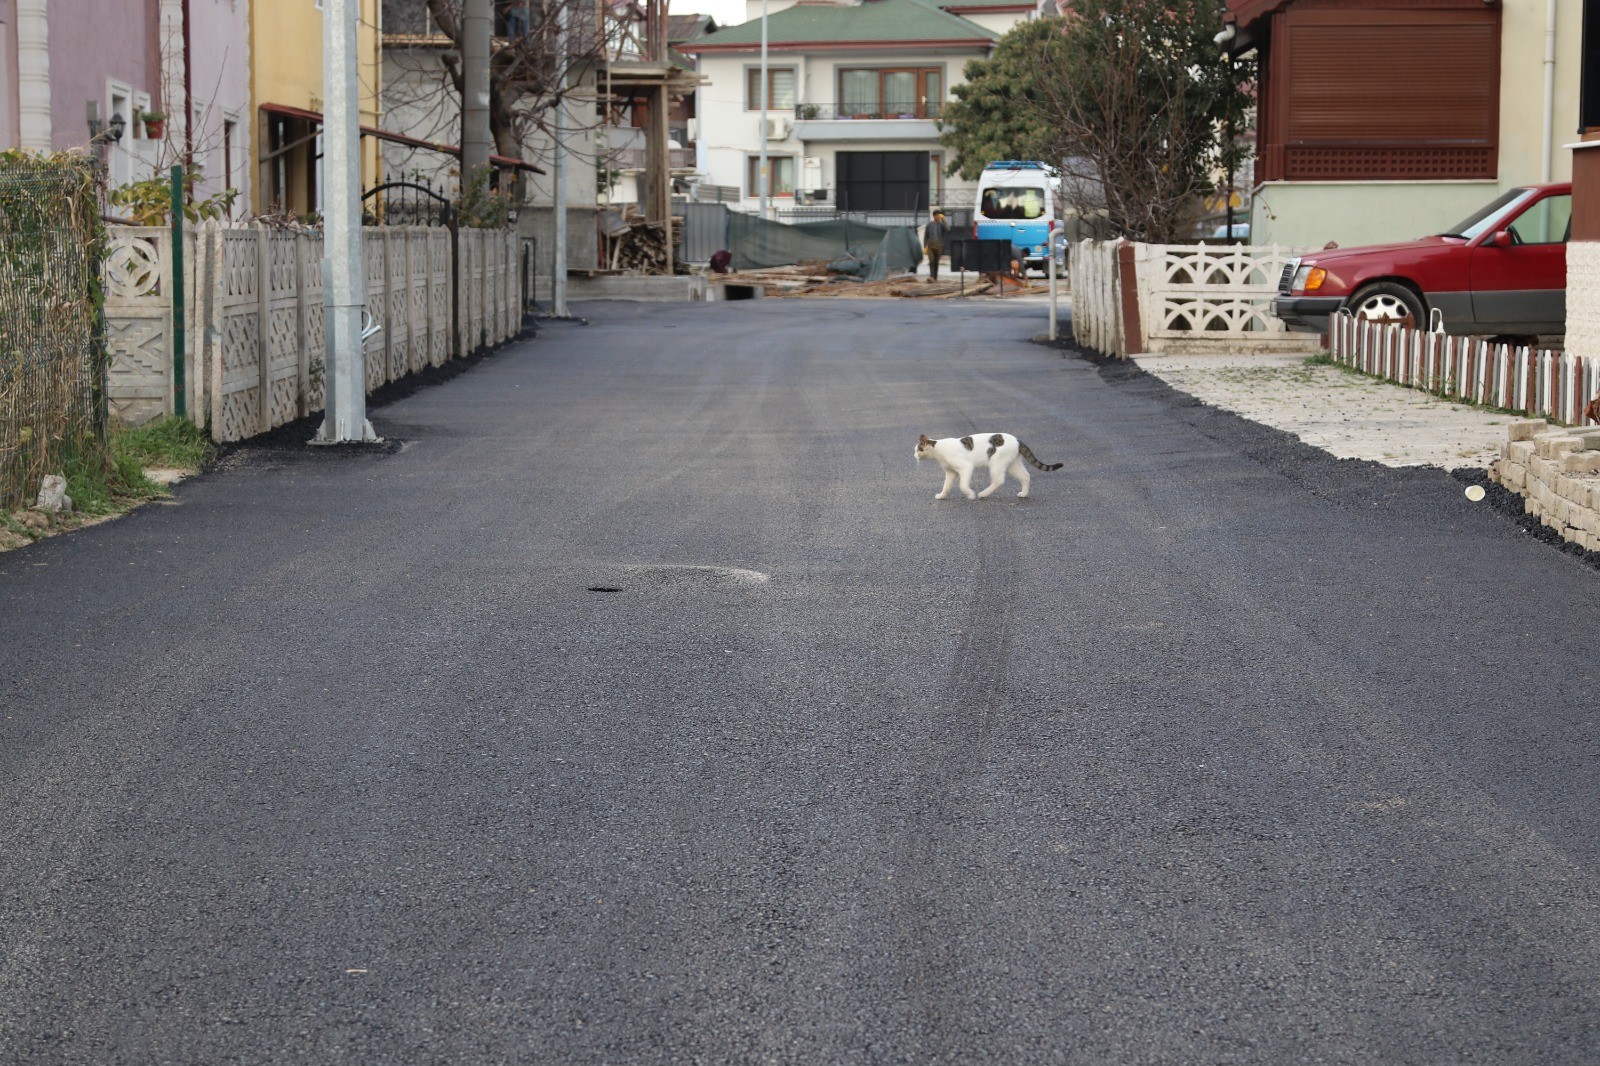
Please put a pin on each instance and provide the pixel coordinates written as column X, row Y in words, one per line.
column 1589, row 69
column 780, row 89
column 1546, row 222
column 119, row 153
column 782, row 169
column 1345, row 97
column 229, row 127
column 910, row 92
column 1015, row 203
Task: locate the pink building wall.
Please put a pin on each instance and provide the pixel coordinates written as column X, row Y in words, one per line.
column 10, row 133
column 92, row 44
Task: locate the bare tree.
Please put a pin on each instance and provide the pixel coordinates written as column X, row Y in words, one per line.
column 529, row 69
column 1129, row 97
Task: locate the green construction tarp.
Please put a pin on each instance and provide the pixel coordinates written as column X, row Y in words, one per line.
column 881, row 251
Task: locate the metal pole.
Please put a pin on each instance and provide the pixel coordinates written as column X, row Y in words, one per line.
column 1051, row 249
column 558, row 275
column 180, row 399
column 477, row 24
column 343, row 277
column 766, row 182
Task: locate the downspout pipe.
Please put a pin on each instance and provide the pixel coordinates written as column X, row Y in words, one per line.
column 1546, row 159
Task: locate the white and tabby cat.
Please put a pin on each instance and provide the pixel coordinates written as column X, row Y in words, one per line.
column 960, row 456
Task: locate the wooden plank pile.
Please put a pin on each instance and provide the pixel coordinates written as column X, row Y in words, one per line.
column 640, row 246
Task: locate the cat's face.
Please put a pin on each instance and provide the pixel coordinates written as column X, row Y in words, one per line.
column 925, row 445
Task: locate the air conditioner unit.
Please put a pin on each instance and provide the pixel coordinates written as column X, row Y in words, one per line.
column 777, row 129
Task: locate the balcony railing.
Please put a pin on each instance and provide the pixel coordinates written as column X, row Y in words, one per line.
column 844, row 112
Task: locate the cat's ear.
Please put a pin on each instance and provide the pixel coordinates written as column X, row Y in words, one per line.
column 924, row 439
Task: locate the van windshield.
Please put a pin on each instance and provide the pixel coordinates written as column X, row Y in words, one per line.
column 1013, row 202
column 1480, row 220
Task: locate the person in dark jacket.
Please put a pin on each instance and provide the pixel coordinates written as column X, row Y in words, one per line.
column 933, row 235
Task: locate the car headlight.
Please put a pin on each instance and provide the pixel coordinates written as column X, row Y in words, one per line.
column 1309, row 279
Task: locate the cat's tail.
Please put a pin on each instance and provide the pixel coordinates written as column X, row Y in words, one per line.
column 1027, row 453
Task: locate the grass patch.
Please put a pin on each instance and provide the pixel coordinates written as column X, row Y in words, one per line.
column 106, row 486
column 170, row 442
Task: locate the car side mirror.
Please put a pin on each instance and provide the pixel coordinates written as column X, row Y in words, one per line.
column 1501, row 238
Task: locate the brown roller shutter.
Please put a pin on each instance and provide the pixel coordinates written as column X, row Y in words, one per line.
column 1398, row 95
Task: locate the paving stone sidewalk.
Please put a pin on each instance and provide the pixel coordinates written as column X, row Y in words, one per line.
column 1345, row 414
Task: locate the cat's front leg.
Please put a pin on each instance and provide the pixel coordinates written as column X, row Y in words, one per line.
column 949, row 479
column 966, row 484
column 997, row 477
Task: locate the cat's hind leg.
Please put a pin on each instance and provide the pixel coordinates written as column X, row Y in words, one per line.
column 949, row 479
column 1019, row 470
column 997, row 477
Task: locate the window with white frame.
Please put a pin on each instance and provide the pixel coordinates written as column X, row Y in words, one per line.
column 781, row 167
column 781, row 85
column 119, row 153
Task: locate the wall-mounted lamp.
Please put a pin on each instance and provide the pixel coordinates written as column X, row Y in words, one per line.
column 101, row 131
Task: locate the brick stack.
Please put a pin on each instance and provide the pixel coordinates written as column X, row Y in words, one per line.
column 1556, row 470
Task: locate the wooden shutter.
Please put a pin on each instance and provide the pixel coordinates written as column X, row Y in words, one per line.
column 1369, row 94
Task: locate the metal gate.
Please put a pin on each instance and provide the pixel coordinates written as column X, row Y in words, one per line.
column 705, row 229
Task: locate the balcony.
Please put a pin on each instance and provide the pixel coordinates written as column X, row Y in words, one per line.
column 910, row 121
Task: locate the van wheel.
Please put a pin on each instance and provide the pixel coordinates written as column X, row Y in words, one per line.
column 1385, row 301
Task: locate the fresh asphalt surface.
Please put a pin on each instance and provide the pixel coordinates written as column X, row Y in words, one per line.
column 1214, row 750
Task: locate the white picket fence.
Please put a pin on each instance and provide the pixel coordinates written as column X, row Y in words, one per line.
column 1537, row 382
column 1190, row 298
column 254, row 338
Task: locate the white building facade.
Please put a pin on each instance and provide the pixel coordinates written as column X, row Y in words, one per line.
column 855, row 91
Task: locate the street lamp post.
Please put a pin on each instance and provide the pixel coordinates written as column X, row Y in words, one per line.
column 766, row 180
column 343, row 276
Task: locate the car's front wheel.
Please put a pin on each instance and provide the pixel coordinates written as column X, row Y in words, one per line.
column 1386, row 301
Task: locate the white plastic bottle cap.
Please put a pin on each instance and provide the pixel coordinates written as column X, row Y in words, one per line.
column 1475, row 493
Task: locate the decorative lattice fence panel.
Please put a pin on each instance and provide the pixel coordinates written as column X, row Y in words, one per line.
column 255, row 314
column 139, row 293
column 1211, row 298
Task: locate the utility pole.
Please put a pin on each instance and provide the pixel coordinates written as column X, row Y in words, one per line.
column 766, row 182
column 558, row 270
column 477, row 24
column 344, row 295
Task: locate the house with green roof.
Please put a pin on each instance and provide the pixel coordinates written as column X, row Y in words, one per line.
column 854, row 91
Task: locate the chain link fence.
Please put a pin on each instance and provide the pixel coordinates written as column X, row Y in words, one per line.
column 52, row 351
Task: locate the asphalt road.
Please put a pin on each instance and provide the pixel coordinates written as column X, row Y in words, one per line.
column 1214, row 750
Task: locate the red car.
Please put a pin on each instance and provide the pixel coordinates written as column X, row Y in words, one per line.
column 1501, row 271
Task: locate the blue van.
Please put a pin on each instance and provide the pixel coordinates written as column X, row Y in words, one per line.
column 1017, row 202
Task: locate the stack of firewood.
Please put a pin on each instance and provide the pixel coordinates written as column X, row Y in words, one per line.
column 642, row 248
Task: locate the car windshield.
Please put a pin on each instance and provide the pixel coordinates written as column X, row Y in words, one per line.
column 1479, row 221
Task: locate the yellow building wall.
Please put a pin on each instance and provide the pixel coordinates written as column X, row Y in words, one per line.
column 286, row 68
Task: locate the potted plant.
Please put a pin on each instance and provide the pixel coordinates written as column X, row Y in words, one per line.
column 805, row 111
column 155, row 124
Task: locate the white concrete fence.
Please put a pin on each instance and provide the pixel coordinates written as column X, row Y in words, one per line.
column 1131, row 298
column 253, row 314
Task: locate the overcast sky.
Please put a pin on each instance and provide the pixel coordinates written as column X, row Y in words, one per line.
column 726, row 12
